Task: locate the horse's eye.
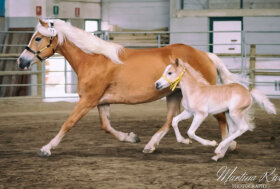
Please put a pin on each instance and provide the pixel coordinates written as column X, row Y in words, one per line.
column 37, row 39
column 169, row 73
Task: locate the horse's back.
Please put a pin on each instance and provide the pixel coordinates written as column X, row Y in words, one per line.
column 133, row 81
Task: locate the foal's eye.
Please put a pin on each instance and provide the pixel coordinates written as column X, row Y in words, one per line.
column 169, row 73
column 37, row 39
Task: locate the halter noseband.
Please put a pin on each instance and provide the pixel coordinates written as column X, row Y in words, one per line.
column 36, row 53
column 173, row 84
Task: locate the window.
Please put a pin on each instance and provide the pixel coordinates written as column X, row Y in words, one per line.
column 91, row 25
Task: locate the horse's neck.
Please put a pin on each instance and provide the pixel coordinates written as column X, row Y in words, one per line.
column 73, row 54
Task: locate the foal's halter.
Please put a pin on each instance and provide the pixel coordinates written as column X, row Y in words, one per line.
column 173, row 84
column 36, row 53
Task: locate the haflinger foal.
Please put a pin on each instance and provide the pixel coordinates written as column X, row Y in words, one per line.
column 200, row 99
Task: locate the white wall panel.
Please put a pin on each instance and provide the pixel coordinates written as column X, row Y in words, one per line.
column 190, row 24
column 135, row 14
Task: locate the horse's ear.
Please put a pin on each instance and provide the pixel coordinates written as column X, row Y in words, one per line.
column 43, row 23
column 177, row 62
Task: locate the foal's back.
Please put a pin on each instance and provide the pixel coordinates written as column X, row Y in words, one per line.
column 220, row 98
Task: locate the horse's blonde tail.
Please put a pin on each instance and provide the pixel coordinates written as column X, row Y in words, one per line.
column 263, row 101
column 225, row 75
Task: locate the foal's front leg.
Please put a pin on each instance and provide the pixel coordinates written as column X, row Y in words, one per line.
column 197, row 120
column 182, row 116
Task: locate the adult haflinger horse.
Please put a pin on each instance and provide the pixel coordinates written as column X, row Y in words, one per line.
column 109, row 74
column 200, row 99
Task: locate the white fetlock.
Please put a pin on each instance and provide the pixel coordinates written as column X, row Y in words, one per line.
column 218, row 150
column 185, row 141
column 45, row 151
column 233, row 146
column 215, row 158
column 213, row 143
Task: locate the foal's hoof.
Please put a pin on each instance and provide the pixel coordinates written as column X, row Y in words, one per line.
column 215, row 158
column 148, row 150
column 185, row 141
column 213, row 143
column 44, row 153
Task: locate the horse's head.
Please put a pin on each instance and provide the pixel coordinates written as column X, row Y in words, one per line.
column 41, row 46
column 171, row 76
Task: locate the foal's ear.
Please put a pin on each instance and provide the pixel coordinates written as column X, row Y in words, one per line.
column 171, row 60
column 177, row 62
column 43, row 23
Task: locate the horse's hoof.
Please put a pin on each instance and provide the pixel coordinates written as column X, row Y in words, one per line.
column 148, row 151
column 233, row 146
column 133, row 138
column 43, row 153
column 137, row 139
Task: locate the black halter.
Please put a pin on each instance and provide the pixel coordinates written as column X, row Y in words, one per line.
column 36, row 53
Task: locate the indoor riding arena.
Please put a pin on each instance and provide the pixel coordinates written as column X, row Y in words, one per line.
column 131, row 143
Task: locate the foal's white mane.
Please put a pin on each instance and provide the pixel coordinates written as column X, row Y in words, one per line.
column 85, row 41
column 197, row 75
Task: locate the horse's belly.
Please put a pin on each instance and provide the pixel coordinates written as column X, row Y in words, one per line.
column 125, row 95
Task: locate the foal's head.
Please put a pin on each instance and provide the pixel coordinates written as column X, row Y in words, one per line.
column 41, row 46
column 171, row 75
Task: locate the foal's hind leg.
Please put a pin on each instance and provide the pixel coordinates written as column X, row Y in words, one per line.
column 173, row 108
column 104, row 114
column 241, row 127
column 224, row 129
column 182, row 116
column 231, row 128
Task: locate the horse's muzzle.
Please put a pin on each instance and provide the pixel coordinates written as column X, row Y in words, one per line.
column 23, row 63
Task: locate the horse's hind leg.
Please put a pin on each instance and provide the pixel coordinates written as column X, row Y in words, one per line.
column 81, row 109
column 224, row 129
column 104, row 115
column 173, row 108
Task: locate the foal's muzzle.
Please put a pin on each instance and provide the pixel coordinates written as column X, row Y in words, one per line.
column 158, row 86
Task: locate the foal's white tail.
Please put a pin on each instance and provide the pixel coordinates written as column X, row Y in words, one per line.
column 226, row 76
column 263, row 101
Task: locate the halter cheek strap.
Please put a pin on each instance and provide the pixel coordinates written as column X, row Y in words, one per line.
column 36, row 53
column 173, row 84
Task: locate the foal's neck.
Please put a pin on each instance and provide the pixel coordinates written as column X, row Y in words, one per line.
column 189, row 82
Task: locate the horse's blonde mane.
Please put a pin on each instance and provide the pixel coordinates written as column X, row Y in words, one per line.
column 197, row 75
column 85, row 41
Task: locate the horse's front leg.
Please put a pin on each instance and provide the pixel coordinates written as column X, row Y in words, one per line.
column 104, row 115
column 173, row 108
column 81, row 109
